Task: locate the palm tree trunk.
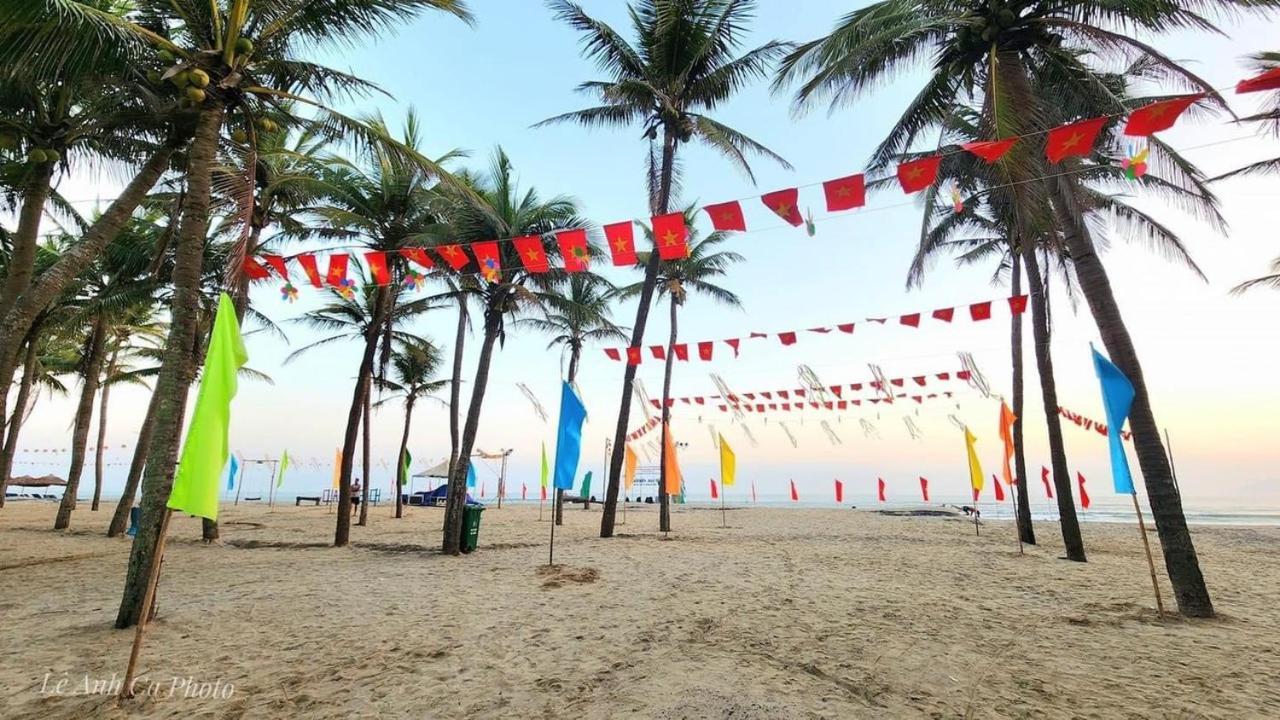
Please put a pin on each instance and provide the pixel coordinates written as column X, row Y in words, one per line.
column 455, row 391
column 457, row 498
column 364, row 440
column 16, row 417
column 120, row 518
column 664, row 500
column 1180, row 558
column 22, row 255
column 1025, row 530
column 84, row 418
column 1071, row 539
column 99, row 450
column 16, row 322
column 660, row 206
column 400, row 458
column 178, row 369
column 342, row 534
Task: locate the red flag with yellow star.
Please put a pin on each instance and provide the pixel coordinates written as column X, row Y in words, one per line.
column 308, row 263
column 377, row 262
column 532, row 254
column 670, row 236
column 1073, row 140
column 489, row 258
column 784, row 204
column 919, row 174
column 1151, row 119
column 419, row 256
column 277, row 263
column 845, row 193
column 453, row 255
column 337, row 269
column 573, row 248
column 622, row 242
column 726, row 216
column 254, row 269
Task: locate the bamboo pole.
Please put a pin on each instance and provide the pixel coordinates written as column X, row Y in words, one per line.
column 551, row 550
column 240, row 483
column 724, row 518
column 1146, row 545
column 148, row 597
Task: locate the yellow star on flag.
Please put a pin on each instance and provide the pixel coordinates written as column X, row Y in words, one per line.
column 670, row 239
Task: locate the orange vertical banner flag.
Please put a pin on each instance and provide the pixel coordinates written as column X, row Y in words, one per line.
column 672, row 465
column 1007, row 419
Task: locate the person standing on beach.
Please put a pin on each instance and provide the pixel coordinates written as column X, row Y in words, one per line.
column 355, row 495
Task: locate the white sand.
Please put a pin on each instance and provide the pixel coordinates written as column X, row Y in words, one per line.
column 785, row 614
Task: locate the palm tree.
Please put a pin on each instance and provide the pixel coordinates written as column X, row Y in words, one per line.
column 129, row 339
column 413, row 370
column 1269, row 119
column 504, row 212
column 695, row 274
column 579, row 314
column 1002, row 56
column 681, row 66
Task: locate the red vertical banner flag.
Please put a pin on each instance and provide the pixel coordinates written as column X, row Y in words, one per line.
column 785, row 204
column 454, row 256
column 1158, row 116
column 419, row 257
column 919, row 174
column 532, row 255
column 1044, row 478
column 845, row 193
column 377, row 262
column 622, row 242
column 337, row 269
column 880, row 488
column 924, row 488
column 715, row 494
column 489, row 258
column 726, row 216
column 999, row 490
column 671, row 236
column 795, row 496
column 839, row 491
column 308, row 263
column 1073, row 140
column 573, row 249
column 1084, row 496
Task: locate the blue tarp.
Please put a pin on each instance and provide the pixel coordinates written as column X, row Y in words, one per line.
column 430, row 497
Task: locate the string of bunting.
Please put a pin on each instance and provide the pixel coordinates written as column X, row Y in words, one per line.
column 977, row 312
column 1089, row 424
column 1075, row 139
column 801, row 394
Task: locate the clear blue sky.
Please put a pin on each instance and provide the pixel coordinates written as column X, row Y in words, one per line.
column 1208, row 357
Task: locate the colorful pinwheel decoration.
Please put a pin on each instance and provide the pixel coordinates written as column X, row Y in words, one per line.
column 414, row 280
column 957, row 202
column 288, row 292
column 1135, row 166
column 489, row 269
column 347, row 288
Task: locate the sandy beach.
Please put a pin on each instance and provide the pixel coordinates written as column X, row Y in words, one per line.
column 784, row 614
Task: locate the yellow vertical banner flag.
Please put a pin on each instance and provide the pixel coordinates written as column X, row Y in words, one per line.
column 728, row 463
column 975, row 469
column 672, row 468
column 196, row 483
column 629, row 478
column 337, row 468
column 1007, row 419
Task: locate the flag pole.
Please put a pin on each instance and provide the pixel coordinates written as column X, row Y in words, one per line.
column 240, row 484
column 148, row 597
column 724, row 519
column 1151, row 565
column 551, row 551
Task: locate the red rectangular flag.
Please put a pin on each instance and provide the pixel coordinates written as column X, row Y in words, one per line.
column 613, row 354
column 980, row 311
column 795, row 496
column 489, row 259
column 337, row 269
column 911, row 320
column 622, row 242
column 839, row 491
column 705, row 349
column 1073, row 140
column 1018, row 304
column 784, row 204
column 682, row 351
column 308, row 263
column 714, row 493
column 277, row 263
column 990, row 150
column 1158, row 116
column 377, row 262
column 726, row 216
column 574, row 250
column 633, row 356
column 254, row 269
column 454, row 256
column 658, row 351
column 532, row 254
column 924, row 488
column 845, row 193
column 670, row 236
column 880, row 488
column 418, row 256
column 919, row 174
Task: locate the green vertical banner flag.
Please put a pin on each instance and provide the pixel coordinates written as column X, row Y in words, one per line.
column 545, row 470
column 284, row 465
column 204, row 454
column 408, row 462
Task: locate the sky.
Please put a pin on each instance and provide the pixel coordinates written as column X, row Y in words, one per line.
column 1208, row 356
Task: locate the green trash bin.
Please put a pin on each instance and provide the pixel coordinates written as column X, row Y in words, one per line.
column 471, row 527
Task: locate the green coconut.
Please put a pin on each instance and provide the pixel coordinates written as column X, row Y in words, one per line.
column 52, row 156
column 36, row 156
column 154, row 77
column 181, row 79
column 195, row 95
column 165, row 56
column 244, row 46
column 198, row 78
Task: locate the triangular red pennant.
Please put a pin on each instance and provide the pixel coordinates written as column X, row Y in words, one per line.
column 613, row 353
column 418, row 256
column 1269, row 80
column 1084, row 496
column 254, row 269
column 277, row 263
column 733, row 343
column 784, row 204
column 990, row 150
column 845, row 328
column 726, row 216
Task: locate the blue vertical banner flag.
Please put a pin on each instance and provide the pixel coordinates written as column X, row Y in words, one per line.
column 568, row 437
column 471, row 474
column 234, row 467
column 1117, row 397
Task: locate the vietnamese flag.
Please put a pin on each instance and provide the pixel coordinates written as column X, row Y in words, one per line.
column 337, row 269
column 919, row 174
column 726, row 216
column 277, row 263
column 613, row 354
column 784, row 204
column 622, row 242
column 845, row 193
column 633, row 356
column 489, row 258
column 1018, row 304
column 681, row 351
column 1073, row 140
column 990, row 150
column 1084, row 496
column 308, row 263
column 924, row 488
column 254, row 269
column 1151, row 119
column 659, row 352
column 1044, row 478
column 839, row 491
column 912, row 320
column 573, row 249
column 787, row 338
column 454, row 256
column 377, row 262
column 980, row 311
column 419, row 256
column 795, row 496
column 880, row 488
column 532, row 254
column 705, row 349
column 995, row 482
column 671, row 236
column 714, row 493
column 1269, row 80
column 944, row 314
